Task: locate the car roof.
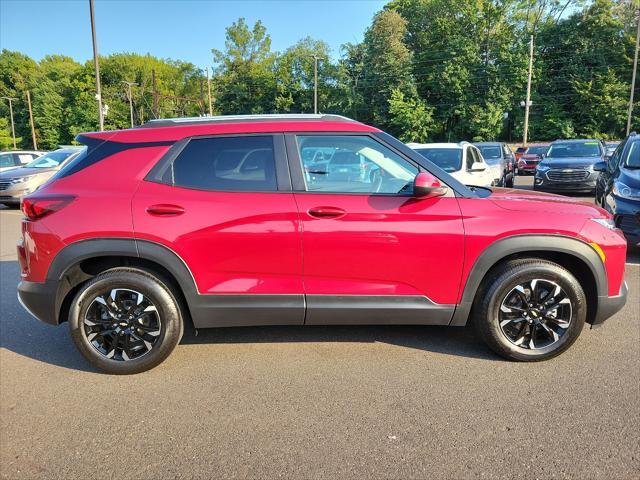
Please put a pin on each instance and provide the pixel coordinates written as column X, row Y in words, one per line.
column 174, row 129
column 436, row 145
column 488, row 143
column 576, row 140
column 21, row 151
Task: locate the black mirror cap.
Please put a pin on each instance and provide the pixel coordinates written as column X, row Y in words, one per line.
column 600, row 166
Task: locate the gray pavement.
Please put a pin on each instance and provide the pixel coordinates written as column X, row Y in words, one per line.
column 312, row 402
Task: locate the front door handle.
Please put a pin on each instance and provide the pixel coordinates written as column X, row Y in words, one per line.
column 326, row 212
column 165, row 210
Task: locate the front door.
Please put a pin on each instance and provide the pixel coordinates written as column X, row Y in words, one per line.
column 372, row 252
column 224, row 205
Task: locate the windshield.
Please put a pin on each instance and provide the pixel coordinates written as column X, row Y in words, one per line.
column 633, row 159
column 574, row 149
column 490, row 152
column 448, row 159
column 537, row 150
column 50, row 160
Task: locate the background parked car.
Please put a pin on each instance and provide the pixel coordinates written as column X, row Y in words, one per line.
column 501, row 160
column 618, row 187
column 20, row 181
column 568, row 166
column 529, row 160
column 17, row 158
column 610, row 147
column 461, row 160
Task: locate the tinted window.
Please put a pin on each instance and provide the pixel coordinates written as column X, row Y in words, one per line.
column 51, row 159
column 357, row 164
column 574, row 149
column 227, row 164
column 472, row 157
column 633, row 158
column 6, row 160
column 537, row 150
column 448, row 159
column 490, row 152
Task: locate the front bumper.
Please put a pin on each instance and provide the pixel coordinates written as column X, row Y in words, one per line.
column 609, row 306
column 565, row 180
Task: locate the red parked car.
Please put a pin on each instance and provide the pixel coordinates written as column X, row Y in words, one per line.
column 530, row 159
column 216, row 222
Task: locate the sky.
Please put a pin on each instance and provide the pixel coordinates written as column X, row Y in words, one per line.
column 178, row 29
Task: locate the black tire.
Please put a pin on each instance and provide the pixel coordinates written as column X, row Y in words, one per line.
column 155, row 290
column 509, row 181
column 496, row 288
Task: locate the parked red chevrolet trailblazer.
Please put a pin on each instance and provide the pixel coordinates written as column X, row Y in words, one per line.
column 226, row 221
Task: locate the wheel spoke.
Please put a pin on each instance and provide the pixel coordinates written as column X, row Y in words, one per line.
column 550, row 331
column 507, row 321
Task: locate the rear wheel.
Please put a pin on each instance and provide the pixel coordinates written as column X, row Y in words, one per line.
column 509, row 180
column 125, row 321
column 530, row 310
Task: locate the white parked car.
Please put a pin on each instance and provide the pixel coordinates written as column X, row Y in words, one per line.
column 17, row 158
column 463, row 161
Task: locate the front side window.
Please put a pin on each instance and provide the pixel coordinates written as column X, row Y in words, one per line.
column 448, row 159
column 353, row 164
column 243, row 164
column 6, row 160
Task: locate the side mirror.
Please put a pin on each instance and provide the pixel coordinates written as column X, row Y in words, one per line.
column 600, row 166
column 478, row 167
column 426, row 185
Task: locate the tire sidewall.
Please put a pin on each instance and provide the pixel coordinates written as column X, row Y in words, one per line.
column 509, row 280
column 158, row 294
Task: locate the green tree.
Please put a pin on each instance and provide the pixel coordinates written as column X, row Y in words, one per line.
column 411, row 118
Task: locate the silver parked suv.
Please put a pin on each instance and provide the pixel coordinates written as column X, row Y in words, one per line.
column 21, row 181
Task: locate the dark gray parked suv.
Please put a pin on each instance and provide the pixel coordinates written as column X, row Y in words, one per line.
column 568, row 166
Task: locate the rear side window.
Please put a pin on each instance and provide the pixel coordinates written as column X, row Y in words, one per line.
column 237, row 164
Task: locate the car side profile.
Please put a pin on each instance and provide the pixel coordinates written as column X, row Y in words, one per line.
column 618, row 187
column 461, row 160
column 20, row 181
column 215, row 222
column 502, row 161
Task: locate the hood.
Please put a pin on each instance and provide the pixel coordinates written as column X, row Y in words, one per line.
column 24, row 172
column 570, row 162
column 530, row 156
column 530, row 201
column 630, row 177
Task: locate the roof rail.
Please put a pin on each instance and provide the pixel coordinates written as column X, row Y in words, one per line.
column 271, row 117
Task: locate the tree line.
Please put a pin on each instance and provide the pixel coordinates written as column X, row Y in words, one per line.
column 426, row 70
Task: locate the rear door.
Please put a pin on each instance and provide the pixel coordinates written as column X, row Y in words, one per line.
column 224, row 205
column 372, row 252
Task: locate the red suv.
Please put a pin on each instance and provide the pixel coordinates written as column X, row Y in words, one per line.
column 220, row 222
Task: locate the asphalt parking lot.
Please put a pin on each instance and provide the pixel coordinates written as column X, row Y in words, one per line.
column 309, row 402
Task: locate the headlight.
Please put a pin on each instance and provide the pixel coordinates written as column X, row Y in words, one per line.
column 605, row 222
column 624, row 191
column 542, row 168
column 21, row 179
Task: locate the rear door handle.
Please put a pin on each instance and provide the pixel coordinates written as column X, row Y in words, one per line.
column 326, row 212
column 165, row 210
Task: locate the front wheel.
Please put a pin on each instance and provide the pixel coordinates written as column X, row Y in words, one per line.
column 530, row 310
column 125, row 321
column 509, row 181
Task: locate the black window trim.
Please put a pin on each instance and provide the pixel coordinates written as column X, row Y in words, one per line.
column 283, row 179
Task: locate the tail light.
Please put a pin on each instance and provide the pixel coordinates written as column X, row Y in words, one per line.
column 35, row 207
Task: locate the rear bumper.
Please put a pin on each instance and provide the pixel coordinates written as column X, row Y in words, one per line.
column 609, row 306
column 39, row 299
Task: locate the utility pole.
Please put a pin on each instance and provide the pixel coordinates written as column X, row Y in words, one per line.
column 96, row 65
column 33, row 127
column 13, row 130
column 528, row 100
column 130, row 84
column 154, row 108
column 633, row 75
column 315, row 84
column 209, row 93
